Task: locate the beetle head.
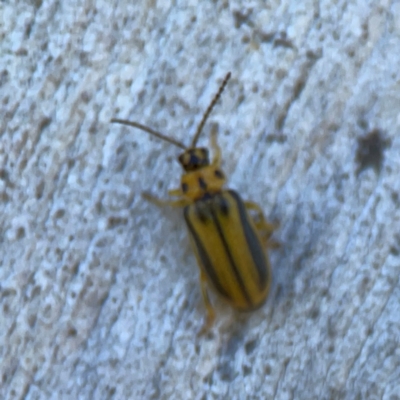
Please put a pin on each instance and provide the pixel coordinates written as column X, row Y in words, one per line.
column 194, row 158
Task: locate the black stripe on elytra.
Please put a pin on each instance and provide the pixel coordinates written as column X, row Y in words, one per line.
column 223, row 206
column 235, row 269
column 205, row 260
column 256, row 250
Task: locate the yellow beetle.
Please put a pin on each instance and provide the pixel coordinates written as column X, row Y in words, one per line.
column 228, row 242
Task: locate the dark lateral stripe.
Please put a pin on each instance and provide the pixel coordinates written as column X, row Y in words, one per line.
column 253, row 243
column 205, row 260
column 232, row 262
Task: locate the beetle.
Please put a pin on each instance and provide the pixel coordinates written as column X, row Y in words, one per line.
column 227, row 240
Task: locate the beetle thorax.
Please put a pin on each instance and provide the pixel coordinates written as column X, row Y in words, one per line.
column 202, row 182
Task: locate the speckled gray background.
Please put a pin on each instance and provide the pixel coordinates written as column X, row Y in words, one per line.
column 99, row 291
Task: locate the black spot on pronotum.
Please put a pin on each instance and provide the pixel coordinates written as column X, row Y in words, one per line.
column 218, row 174
column 184, row 187
column 370, row 151
column 202, row 183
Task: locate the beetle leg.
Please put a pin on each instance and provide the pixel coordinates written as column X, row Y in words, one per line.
column 215, row 147
column 209, row 308
column 261, row 222
column 161, row 202
column 175, row 192
column 265, row 228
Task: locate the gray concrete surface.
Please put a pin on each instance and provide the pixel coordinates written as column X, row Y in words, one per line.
column 99, row 289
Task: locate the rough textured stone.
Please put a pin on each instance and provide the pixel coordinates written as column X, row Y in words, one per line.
column 99, row 292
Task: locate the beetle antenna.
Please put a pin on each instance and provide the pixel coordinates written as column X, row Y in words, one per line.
column 149, row 130
column 210, row 107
